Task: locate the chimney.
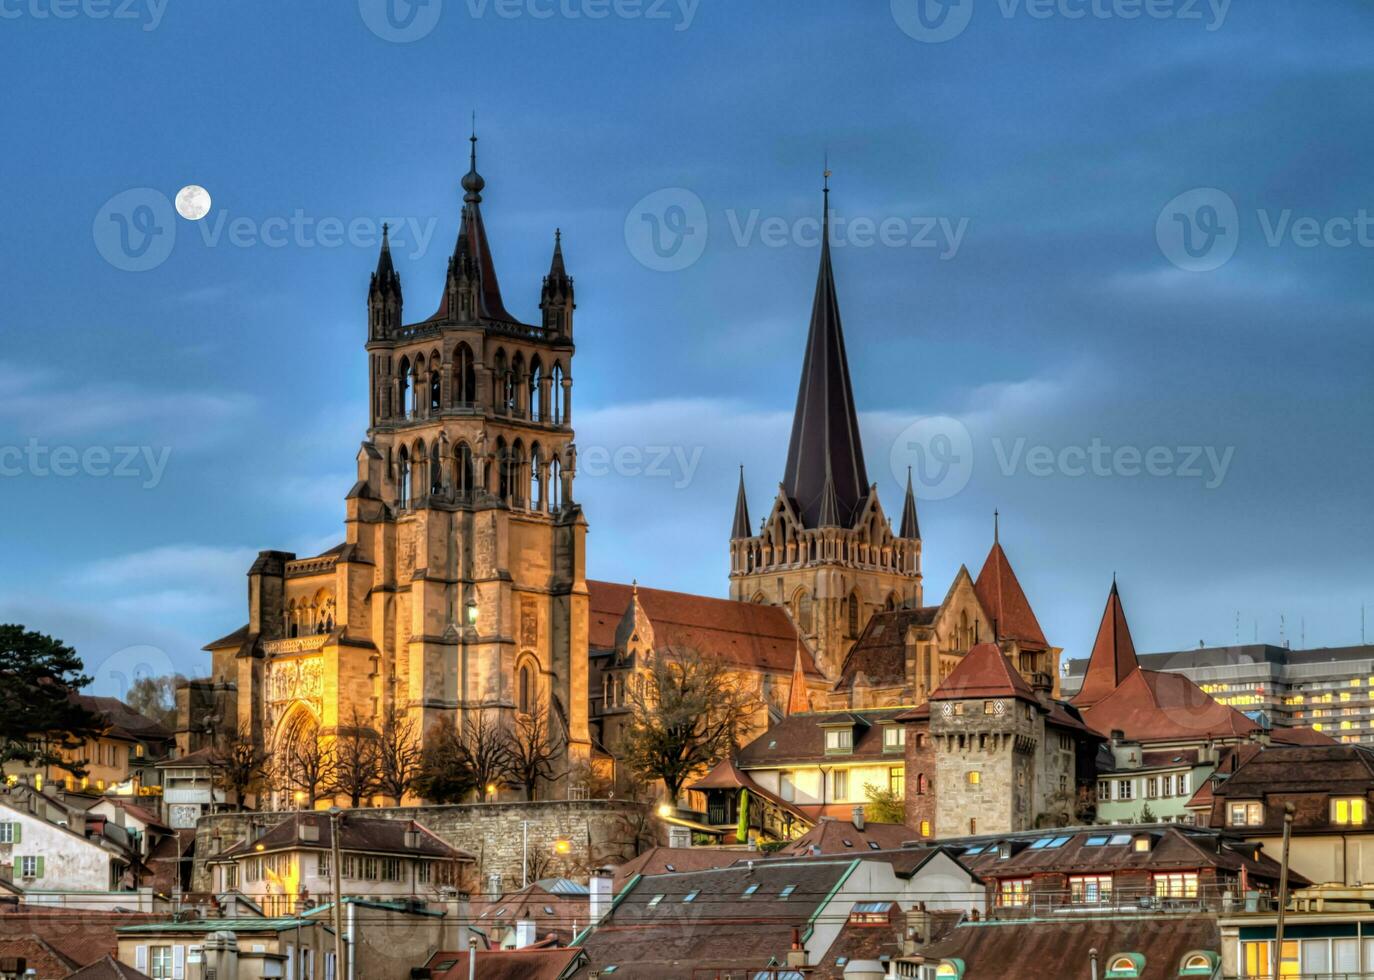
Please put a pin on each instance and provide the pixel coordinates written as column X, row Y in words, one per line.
column 412, row 838
column 796, row 956
column 600, row 892
column 309, row 831
column 858, row 818
column 494, row 885
column 524, row 933
column 219, row 957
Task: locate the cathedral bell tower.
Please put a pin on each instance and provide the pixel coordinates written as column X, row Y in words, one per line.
column 467, row 544
column 826, row 550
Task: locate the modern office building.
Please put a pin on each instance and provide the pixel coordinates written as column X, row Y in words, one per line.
column 1329, row 689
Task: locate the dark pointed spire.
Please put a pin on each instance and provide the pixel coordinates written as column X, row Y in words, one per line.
column 385, row 279
column 556, row 297
column 741, row 528
column 556, row 270
column 471, row 264
column 825, row 443
column 911, row 528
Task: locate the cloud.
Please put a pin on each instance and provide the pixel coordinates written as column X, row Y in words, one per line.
column 184, row 564
column 186, row 419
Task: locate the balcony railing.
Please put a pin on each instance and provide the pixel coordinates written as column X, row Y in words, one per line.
column 1131, row 901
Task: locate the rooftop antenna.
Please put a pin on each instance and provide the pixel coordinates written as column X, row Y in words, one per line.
column 1302, row 640
column 1283, row 631
column 1237, row 627
column 996, row 523
column 1362, row 624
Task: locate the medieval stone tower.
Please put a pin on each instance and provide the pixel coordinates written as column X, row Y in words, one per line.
column 826, row 551
column 460, row 588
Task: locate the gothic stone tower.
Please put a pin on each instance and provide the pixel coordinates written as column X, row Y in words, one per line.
column 826, row 551
column 459, row 590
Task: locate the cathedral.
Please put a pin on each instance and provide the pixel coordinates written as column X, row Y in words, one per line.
column 459, row 590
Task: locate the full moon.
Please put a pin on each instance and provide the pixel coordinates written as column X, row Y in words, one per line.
column 193, row 202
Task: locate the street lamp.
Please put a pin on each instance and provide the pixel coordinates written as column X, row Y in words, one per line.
column 491, row 791
column 336, row 873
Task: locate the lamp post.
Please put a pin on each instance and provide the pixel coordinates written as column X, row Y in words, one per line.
column 336, row 873
column 1283, row 888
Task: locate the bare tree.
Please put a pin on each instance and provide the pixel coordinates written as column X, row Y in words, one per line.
column 398, row 756
column 532, row 749
column 305, row 766
column 688, row 711
column 237, row 763
column 459, row 761
column 354, row 774
column 486, row 748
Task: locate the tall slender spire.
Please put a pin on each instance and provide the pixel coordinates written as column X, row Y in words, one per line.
column 830, row 504
column 385, row 279
column 741, row 527
column 798, row 700
column 825, row 445
column 911, row 528
column 471, row 263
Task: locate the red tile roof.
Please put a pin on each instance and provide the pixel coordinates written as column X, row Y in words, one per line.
column 746, row 633
column 842, row 837
column 672, row 860
column 1155, row 706
column 1300, row 735
column 983, row 672
column 1113, row 656
column 1001, row 595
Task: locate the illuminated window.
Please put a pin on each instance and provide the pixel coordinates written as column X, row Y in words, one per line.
column 1348, row 812
column 1124, row 965
column 1090, row 889
column 1013, row 892
column 839, row 785
column 974, row 777
column 1258, row 955
column 896, row 781
column 1245, row 814
column 1181, row 884
column 925, row 828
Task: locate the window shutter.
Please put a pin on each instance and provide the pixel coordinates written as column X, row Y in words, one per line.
column 38, row 871
column 178, row 962
column 18, row 832
column 141, row 958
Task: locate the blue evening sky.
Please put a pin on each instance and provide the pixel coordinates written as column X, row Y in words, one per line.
column 1018, row 253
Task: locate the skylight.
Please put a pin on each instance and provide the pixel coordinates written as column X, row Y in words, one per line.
column 975, row 850
column 847, row 842
column 873, row 845
column 691, row 896
column 787, row 891
column 1060, row 841
column 1096, row 841
column 1120, row 839
column 1042, row 842
column 751, row 889
column 655, row 900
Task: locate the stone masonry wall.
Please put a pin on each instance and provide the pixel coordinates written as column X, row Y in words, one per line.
column 600, row 832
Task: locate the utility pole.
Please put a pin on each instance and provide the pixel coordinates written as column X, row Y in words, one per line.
column 1283, row 888
column 336, row 874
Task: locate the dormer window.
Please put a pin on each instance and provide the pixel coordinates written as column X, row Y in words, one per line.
column 1124, row 965
column 839, row 741
column 1247, row 814
column 1349, row 812
column 894, row 738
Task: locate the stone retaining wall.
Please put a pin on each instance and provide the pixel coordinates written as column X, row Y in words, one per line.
column 598, row 831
